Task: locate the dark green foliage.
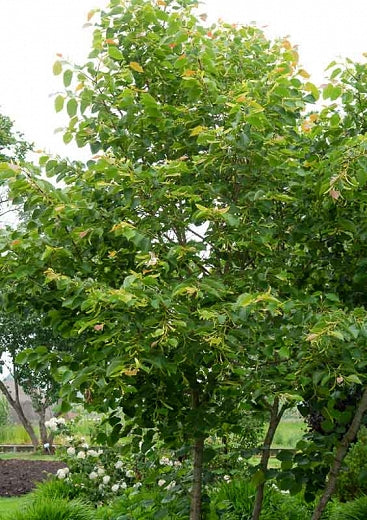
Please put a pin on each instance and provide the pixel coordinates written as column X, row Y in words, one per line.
column 352, row 481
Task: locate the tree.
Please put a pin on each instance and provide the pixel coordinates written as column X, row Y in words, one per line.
column 180, row 249
column 17, row 335
column 13, row 149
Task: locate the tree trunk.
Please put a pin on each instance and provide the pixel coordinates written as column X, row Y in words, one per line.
column 17, row 407
column 198, row 451
column 340, row 453
column 275, row 416
column 195, row 508
column 45, row 438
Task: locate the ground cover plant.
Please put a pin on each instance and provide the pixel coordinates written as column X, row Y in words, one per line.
column 208, row 259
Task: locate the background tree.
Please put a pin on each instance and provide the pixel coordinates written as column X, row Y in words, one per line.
column 17, row 335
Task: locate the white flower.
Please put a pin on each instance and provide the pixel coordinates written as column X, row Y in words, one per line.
column 115, row 488
column 123, row 485
column 171, row 485
column 227, row 478
column 130, row 474
column 161, row 482
column 100, row 452
column 52, row 424
column 153, row 259
column 92, row 453
column 70, row 451
column 60, row 420
column 46, row 445
column 165, row 461
column 100, row 472
column 93, row 475
column 62, row 473
column 85, row 445
column 106, row 479
column 177, row 463
column 119, row 464
column 81, row 455
column 137, row 485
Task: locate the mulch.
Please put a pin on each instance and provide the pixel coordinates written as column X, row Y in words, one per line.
column 18, row 477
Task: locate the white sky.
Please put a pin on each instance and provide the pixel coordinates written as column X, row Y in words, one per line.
column 33, row 31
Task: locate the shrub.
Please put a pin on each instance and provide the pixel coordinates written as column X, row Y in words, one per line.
column 286, row 507
column 52, row 489
column 355, row 510
column 352, row 481
column 55, row 509
column 147, row 503
column 233, row 500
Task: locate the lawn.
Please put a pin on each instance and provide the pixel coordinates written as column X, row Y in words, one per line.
column 289, row 432
column 12, row 504
column 27, row 456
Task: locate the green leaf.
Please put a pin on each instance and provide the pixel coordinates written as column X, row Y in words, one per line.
column 57, row 68
column 67, row 78
column 331, row 92
column 258, row 478
column 72, row 107
column 353, row 378
column 59, row 103
column 115, row 53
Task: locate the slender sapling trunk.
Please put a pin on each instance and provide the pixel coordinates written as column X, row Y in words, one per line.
column 340, row 453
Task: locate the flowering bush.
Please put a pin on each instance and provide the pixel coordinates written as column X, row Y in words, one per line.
column 97, row 473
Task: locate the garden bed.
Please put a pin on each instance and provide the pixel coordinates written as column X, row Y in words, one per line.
column 18, row 477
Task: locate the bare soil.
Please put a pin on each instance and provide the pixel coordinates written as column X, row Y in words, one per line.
column 18, row 477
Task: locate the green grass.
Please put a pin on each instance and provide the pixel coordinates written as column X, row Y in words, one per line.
column 14, row 434
column 12, row 504
column 27, row 456
column 289, row 432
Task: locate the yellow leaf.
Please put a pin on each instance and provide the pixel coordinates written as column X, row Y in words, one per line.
column 131, row 372
column 303, row 73
column 222, row 211
column 110, row 41
column 79, row 87
column 306, row 126
column 135, row 66
column 162, row 3
column 189, row 73
column 312, row 337
column 286, row 44
column 91, row 14
column 314, row 117
column 197, row 130
column 241, row 98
